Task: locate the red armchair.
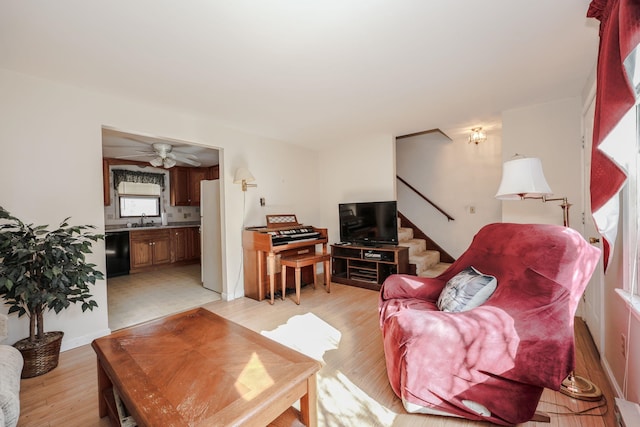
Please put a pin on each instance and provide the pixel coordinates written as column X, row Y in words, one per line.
column 491, row 362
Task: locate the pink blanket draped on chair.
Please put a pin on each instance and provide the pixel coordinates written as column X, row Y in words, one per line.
column 502, row 353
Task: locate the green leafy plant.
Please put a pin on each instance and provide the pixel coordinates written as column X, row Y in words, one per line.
column 45, row 270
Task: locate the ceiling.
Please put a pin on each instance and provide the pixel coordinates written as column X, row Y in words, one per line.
column 122, row 145
column 313, row 73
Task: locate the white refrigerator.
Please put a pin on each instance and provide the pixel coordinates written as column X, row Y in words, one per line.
column 210, row 240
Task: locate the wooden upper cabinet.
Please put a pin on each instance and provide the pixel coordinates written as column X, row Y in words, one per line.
column 180, row 186
column 195, row 176
column 214, row 172
column 106, row 188
column 185, row 184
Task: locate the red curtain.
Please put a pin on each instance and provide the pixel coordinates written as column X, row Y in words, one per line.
column 619, row 36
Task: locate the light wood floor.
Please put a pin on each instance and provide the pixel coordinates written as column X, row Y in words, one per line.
column 340, row 329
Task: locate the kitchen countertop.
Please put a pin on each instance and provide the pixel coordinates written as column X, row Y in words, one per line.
column 120, row 227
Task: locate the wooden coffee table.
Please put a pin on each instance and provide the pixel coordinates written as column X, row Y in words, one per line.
column 199, row 369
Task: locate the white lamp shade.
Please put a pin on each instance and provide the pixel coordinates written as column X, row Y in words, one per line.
column 243, row 174
column 522, row 177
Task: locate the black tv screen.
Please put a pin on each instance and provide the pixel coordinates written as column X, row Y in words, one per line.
column 369, row 223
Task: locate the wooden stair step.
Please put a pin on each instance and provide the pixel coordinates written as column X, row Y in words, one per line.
column 415, row 246
column 436, row 270
column 425, row 260
column 405, row 234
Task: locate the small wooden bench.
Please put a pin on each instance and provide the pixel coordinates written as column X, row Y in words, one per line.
column 303, row 260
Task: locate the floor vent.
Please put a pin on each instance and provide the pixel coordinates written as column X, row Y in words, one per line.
column 627, row 413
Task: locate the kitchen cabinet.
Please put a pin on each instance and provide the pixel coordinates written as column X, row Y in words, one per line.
column 149, row 248
column 185, row 243
column 185, row 184
column 179, row 244
column 106, row 188
column 193, row 243
column 195, row 176
column 180, row 186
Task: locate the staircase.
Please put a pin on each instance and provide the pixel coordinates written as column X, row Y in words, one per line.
column 427, row 262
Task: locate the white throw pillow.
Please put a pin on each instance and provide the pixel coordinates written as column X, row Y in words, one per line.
column 466, row 290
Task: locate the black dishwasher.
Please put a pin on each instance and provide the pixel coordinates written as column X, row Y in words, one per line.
column 117, row 248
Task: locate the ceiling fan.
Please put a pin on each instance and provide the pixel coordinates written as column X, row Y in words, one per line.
column 164, row 156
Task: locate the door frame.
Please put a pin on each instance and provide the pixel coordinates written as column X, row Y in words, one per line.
column 591, row 307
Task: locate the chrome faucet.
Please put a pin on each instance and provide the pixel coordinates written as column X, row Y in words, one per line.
column 142, row 220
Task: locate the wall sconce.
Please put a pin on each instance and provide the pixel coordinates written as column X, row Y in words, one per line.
column 477, row 136
column 522, row 178
column 243, row 176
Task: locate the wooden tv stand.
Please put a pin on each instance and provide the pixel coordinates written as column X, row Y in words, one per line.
column 367, row 266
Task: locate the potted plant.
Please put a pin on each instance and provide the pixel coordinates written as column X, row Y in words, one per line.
column 42, row 270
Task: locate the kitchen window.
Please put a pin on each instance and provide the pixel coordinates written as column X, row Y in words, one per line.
column 139, row 199
column 137, row 206
column 139, row 193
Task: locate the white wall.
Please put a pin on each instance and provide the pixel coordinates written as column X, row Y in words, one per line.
column 552, row 132
column 619, row 321
column 456, row 176
column 50, row 137
column 360, row 170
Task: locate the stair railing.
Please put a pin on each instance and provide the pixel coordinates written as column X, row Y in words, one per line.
column 438, row 208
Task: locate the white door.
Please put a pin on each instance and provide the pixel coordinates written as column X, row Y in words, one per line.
column 210, row 238
column 593, row 298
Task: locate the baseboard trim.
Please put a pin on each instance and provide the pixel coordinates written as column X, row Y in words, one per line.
column 83, row 340
column 611, row 377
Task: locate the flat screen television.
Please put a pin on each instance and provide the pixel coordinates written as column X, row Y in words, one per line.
column 369, row 223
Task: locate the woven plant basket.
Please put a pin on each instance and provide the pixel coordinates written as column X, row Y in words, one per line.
column 42, row 356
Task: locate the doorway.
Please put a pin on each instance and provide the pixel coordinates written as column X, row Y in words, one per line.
column 167, row 279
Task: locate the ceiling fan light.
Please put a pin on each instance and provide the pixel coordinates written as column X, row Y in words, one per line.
column 156, row 162
column 169, row 163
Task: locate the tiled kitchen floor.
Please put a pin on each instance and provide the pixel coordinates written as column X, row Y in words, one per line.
column 140, row 297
